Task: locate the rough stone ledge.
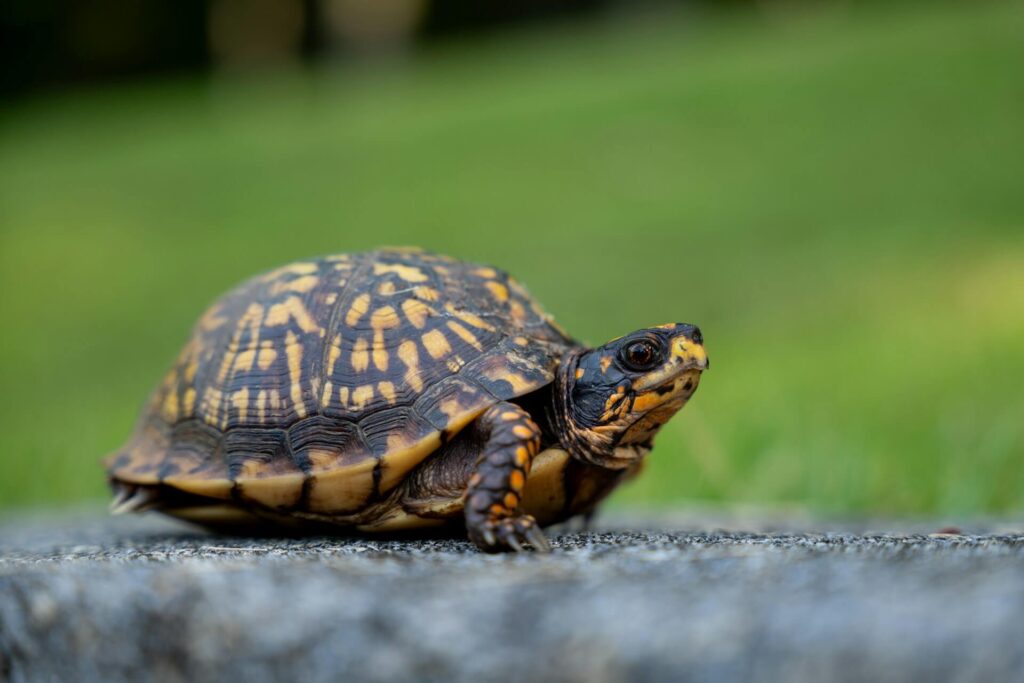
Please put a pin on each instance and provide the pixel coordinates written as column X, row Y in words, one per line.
column 85, row 598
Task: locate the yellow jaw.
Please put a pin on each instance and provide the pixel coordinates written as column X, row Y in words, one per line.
column 690, row 353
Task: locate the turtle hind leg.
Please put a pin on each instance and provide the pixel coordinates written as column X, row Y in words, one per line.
column 496, row 487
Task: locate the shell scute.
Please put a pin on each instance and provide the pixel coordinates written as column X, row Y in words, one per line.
column 451, row 401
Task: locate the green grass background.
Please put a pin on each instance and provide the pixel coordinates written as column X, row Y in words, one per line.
column 838, row 201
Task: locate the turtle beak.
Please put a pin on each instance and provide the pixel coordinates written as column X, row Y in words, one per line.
column 690, row 353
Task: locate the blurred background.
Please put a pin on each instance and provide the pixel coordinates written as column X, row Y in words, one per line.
column 831, row 189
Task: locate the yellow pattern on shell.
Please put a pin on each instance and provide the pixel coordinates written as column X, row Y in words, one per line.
column 407, row 273
column 291, row 308
column 498, row 290
column 240, row 400
column 360, row 305
column 387, row 390
column 465, row 335
column 436, row 344
column 410, row 357
column 299, row 285
column 361, row 355
column 294, row 351
column 416, row 312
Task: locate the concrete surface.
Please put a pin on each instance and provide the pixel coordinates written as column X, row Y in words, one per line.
column 85, row 598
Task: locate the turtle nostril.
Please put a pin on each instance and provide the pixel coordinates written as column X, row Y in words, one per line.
column 696, row 335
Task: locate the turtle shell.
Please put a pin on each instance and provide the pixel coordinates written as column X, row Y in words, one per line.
column 320, row 385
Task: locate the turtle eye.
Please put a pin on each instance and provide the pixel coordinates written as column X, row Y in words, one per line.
column 642, row 354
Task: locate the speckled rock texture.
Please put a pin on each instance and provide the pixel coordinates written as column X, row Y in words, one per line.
column 84, row 598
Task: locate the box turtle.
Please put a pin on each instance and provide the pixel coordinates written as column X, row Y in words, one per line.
column 396, row 390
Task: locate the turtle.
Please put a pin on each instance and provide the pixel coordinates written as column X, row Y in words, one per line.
column 398, row 390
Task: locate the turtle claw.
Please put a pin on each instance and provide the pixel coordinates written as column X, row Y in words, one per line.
column 128, row 498
column 511, row 533
column 514, row 543
column 537, row 539
column 122, row 492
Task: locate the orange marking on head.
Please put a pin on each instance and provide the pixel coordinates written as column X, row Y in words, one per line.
column 606, row 363
column 580, row 372
column 646, row 401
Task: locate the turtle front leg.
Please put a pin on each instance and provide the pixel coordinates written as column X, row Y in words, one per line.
column 496, row 486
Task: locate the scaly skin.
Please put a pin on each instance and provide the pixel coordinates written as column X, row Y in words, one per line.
column 496, row 487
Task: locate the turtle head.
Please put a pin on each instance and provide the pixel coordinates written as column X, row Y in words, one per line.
column 610, row 401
